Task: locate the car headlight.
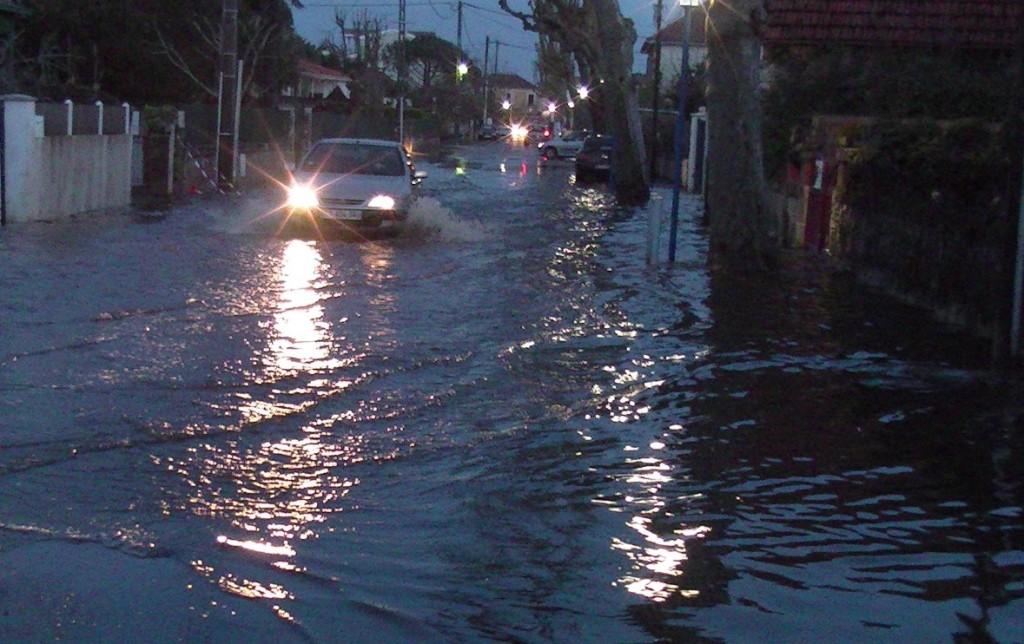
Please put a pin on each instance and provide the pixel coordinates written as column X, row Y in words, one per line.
column 302, row 197
column 382, row 202
column 518, row 132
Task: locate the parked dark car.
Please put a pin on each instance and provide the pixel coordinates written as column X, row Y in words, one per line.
column 594, row 160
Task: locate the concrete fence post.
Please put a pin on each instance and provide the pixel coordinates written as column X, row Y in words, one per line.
column 69, row 112
column 21, row 186
column 99, row 117
column 127, row 118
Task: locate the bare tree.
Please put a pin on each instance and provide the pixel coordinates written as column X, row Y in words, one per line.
column 20, row 72
column 364, row 34
column 257, row 33
column 742, row 227
column 601, row 41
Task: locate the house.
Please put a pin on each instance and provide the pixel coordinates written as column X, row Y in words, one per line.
column 980, row 25
column 670, row 38
column 520, row 93
column 317, row 81
column 882, row 84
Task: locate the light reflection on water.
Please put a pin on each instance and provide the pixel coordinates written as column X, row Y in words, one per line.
column 277, row 494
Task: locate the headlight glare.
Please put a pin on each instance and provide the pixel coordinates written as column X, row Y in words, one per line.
column 303, row 197
column 382, row 202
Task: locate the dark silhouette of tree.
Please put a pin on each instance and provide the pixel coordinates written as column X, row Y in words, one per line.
column 122, row 49
column 600, row 41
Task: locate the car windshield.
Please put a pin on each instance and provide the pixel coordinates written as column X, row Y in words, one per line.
column 354, row 158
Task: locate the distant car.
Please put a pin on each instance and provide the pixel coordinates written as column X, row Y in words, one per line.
column 538, row 132
column 594, row 160
column 491, row 132
column 565, row 145
column 355, row 183
column 487, row 132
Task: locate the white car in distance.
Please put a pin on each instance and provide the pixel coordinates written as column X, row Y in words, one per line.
column 354, row 183
column 566, row 144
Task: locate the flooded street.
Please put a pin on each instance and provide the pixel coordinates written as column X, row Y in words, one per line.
column 500, row 425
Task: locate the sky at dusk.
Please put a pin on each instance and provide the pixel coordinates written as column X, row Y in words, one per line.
column 481, row 19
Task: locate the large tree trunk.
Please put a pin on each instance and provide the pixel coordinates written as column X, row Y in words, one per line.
column 742, row 228
column 617, row 37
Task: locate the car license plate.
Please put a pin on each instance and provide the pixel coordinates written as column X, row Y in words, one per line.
column 347, row 215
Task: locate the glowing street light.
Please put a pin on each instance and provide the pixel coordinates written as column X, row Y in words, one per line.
column 462, row 69
column 552, row 107
column 583, row 91
column 506, row 104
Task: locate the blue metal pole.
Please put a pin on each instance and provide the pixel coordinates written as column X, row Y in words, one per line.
column 677, row 165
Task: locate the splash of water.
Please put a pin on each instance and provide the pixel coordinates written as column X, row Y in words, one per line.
column 429, row 220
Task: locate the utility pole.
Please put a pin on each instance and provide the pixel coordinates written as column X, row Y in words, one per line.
column 458, row 30
column 227, row 97
column 681, row 130
column 487, row 56
column 401, row 71
column 657, row 89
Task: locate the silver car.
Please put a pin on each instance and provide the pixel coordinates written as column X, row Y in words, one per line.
column 567, row 144
column 357, row 183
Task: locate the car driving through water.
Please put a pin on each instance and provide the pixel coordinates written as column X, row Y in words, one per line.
column 354, row 183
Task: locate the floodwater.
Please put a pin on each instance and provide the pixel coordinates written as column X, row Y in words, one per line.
column 501, row 425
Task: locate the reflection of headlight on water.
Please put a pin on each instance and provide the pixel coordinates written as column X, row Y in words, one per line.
column 382, row 202
column 302, row 197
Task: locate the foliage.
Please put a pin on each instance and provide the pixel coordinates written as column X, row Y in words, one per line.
column 885, row 84
column 555, row 65
column 944, row 173
column 432, row 57
column 107, row 48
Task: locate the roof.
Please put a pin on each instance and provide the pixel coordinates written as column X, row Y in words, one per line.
column 672, row 33
column 510, row 81
column 307, row 68
column 963, row 24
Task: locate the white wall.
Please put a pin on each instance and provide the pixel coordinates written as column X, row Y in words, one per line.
column 52, row 177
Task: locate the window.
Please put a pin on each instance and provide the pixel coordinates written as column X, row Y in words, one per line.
column 354, row 158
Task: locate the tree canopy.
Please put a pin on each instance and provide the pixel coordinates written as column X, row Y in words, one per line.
column 150, row 50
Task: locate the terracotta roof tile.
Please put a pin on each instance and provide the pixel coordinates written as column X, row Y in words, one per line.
column 971, row 24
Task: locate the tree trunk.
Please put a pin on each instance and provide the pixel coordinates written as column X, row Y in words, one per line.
column 741, row 227
column 619, row 100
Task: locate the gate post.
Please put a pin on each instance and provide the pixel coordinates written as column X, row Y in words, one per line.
column 20, row 158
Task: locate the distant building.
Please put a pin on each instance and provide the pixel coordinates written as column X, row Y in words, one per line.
column 671, row 40
column 520, row 93
column 317, row 81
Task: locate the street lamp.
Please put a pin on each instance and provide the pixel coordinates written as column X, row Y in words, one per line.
column 462, row 69
column 583, row 91
column 677, row 166
column 507, row 103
